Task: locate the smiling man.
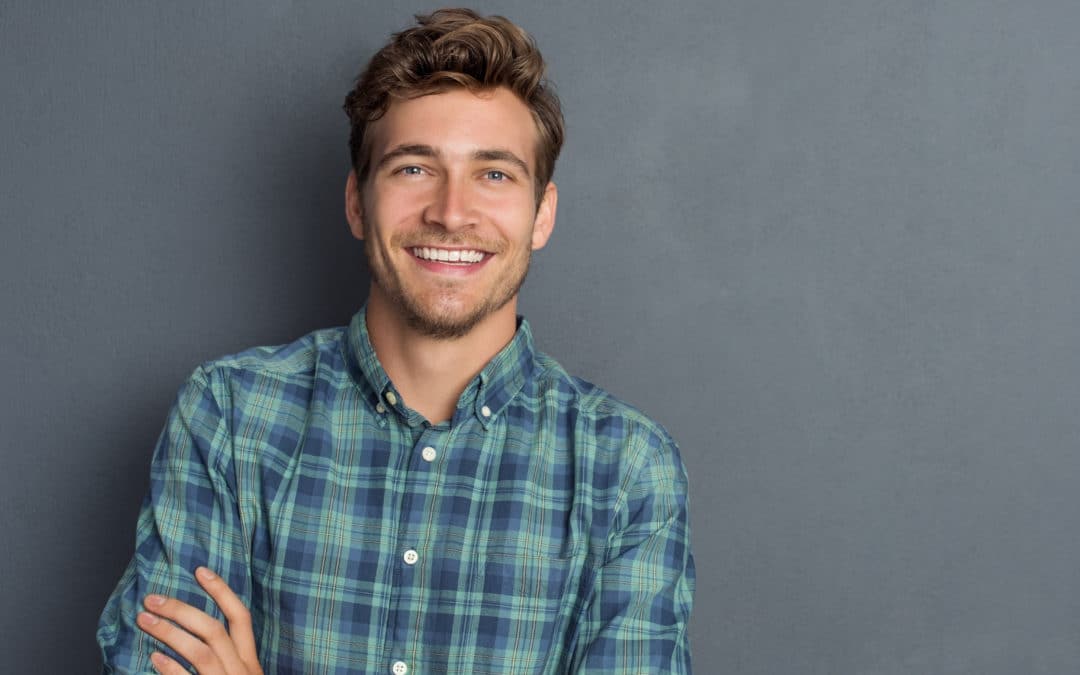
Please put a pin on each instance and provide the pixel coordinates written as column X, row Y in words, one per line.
column 421, row 491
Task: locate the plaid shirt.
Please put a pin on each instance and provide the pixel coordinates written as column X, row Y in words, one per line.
column 543, row 529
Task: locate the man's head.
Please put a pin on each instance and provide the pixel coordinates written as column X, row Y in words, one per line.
column 454, row 139
column 456, row 48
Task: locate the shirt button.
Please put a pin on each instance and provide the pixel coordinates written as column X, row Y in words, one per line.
column 400, row 668
column 485, row 411
column 411, row 557
column 428, row 454
column 391, row 398
column 380, row 408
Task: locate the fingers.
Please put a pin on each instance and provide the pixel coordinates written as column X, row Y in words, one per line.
column 197, row 652
column 236, row 613
column 166, row 666
column 196, row 636
column 199, row 637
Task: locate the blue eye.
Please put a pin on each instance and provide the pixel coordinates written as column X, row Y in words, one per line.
column 497, row 175
column 411, row 170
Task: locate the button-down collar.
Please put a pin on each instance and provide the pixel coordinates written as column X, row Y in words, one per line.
column 485, row 396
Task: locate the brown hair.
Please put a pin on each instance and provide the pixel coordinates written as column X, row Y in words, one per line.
column 456, row 48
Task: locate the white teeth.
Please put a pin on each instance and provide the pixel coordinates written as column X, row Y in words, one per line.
column 448, row 256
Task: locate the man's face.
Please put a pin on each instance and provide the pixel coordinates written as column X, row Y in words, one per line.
column 448, row 213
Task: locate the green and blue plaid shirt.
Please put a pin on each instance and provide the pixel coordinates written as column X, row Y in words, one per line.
column 543, row 529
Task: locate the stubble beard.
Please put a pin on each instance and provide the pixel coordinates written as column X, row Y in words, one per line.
column 427, row 317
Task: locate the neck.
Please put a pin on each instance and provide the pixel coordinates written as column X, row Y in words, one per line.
column 431, row 373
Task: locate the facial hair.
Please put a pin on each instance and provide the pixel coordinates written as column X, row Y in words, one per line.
column 425, row 317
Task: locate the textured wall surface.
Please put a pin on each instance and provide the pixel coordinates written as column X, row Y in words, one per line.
column 827, row 243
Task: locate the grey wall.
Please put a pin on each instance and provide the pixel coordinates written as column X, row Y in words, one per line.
column 831, row 244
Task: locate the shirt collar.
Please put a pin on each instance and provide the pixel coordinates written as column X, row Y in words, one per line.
column 485, row 397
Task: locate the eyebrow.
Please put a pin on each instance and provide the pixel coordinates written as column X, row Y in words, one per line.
column 420, row 150
column 413, row 150
column 502, row 156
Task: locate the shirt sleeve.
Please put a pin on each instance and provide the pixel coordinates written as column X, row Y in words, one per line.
column 636, row 619
column 189, row 518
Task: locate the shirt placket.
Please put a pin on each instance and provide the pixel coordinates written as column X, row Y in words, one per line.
column 411, row 584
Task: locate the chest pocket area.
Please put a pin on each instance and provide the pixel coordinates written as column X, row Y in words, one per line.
column 528, row 601
column 527, row 581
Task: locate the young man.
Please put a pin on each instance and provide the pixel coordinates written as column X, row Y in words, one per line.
column 422, row 491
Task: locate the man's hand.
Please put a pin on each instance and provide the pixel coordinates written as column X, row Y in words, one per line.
column 200, row 638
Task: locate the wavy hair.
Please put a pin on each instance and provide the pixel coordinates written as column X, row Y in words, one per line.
column 456, row 48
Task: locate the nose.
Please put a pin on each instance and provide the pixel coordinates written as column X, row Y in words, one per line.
column 451, row 206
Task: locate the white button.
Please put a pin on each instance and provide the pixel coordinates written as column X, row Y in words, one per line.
column 428, row 454
column 411, row 557
column 400, row 668
column 391, row 398
column 380, row 408
column 485, row 411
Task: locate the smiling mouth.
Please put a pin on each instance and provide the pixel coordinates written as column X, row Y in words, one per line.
column 450, row 256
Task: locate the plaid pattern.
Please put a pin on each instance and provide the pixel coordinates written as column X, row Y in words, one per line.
column 548, row 519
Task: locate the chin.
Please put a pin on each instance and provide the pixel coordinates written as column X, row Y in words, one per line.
column 443, row 327
column 449, row 320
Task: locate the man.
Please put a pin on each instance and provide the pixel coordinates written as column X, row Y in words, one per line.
column 420, row 492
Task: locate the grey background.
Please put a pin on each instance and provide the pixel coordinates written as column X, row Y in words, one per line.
column 830, row 244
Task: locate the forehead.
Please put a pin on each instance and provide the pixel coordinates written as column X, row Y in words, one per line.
column 458, row 123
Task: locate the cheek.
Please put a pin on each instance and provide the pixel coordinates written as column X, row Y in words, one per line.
column 395, row 212
column 515, row 215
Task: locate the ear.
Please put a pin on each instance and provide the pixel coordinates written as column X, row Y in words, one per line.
column 544, row 222
column 354, row 205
